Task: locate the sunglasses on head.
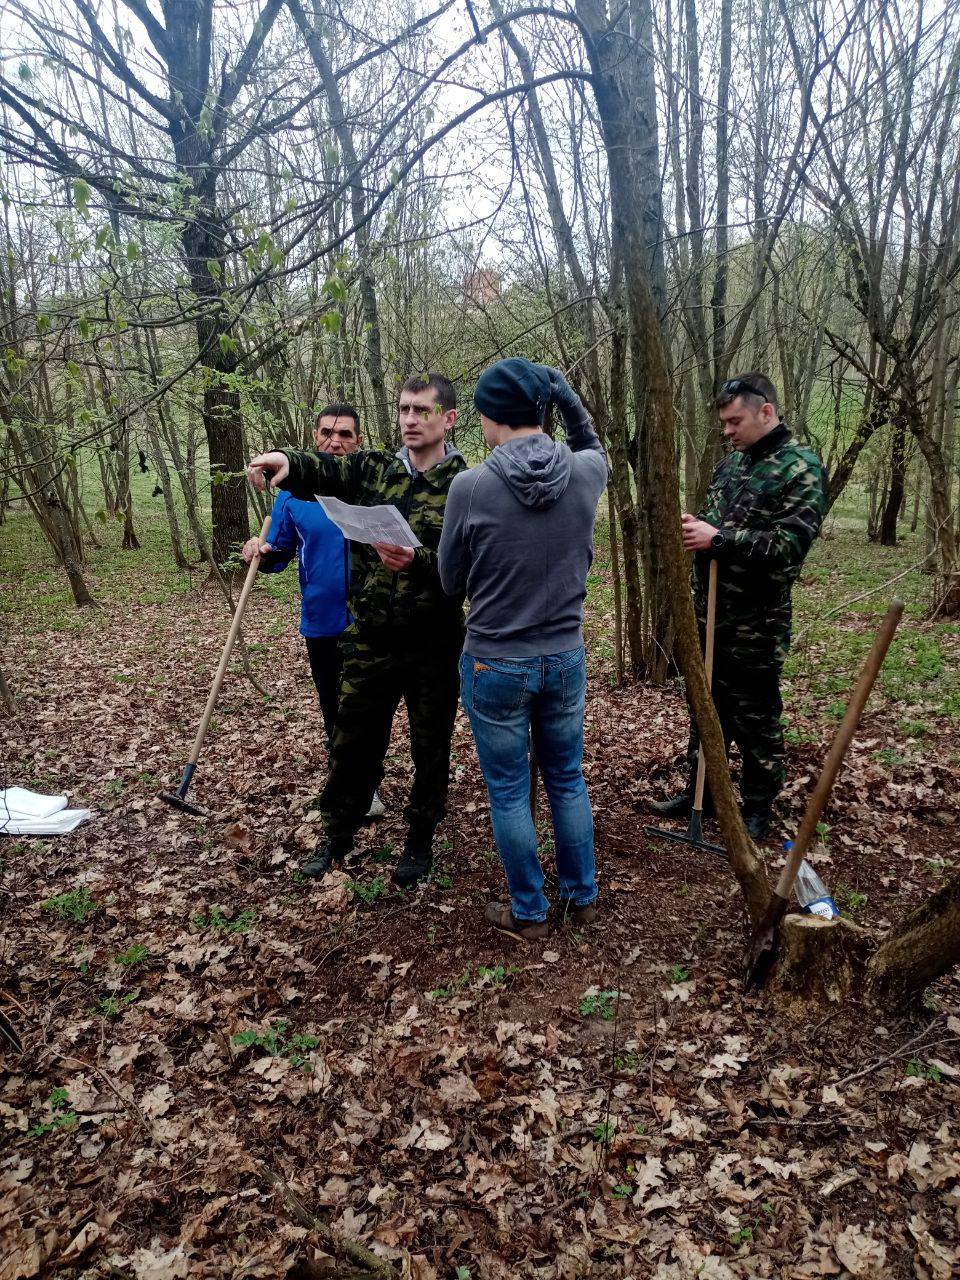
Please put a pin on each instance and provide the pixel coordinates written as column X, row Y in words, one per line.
column 737, row 386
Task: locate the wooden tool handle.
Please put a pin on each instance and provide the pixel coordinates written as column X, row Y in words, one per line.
column 228, row 647
column 838, row 748
column 708, row 668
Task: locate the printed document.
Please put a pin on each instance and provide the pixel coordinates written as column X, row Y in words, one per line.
column 369, row 524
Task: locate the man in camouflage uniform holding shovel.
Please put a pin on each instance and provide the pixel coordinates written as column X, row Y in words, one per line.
column 764, row 508
column 406, row 637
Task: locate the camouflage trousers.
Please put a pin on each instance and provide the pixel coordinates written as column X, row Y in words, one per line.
column 374, row 679
column 746, row 692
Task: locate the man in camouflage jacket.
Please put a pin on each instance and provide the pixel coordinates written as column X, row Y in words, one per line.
column 764, row 508
column 407, row 634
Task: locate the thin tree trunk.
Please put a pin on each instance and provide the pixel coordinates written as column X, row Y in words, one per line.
column 898, row 477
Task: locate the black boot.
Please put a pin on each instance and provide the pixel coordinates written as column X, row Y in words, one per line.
column 416, row 863
column 678, row 806
column 757, row 822
column 323, row 859
column 681, row 805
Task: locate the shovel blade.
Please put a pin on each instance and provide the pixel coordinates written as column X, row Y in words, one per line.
column 763, row 944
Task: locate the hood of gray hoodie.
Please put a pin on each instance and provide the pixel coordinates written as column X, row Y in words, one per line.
column 536, row 468
column 403, row 453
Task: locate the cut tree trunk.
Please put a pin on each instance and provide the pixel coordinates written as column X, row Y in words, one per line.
column 821, row 961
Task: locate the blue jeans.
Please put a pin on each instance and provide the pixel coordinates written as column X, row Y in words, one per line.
column 506, row 698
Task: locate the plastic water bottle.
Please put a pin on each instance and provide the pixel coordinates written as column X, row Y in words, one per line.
column 812, row 894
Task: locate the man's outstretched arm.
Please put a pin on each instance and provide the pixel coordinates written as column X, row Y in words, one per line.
column 305, row 474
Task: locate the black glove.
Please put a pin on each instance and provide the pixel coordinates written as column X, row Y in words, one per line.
column 566, row 399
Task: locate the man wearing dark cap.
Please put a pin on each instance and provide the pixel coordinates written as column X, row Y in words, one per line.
column 518, row 538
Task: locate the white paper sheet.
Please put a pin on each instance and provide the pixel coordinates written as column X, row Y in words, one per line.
column 29, row 804
column 28, row 813
column 60, row 824
column 369, row 524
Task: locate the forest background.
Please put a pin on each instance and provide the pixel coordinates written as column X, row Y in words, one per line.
column 217, row 217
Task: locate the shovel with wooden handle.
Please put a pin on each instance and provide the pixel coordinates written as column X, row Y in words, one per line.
column 763, row 945
column 178, row 798
column 694, row 832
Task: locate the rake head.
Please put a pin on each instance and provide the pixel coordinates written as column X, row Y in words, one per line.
column 180, row 803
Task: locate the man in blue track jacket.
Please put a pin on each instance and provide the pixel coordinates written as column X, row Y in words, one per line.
column 302, row 528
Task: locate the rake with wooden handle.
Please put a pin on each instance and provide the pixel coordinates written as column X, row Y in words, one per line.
column 763, row 945
column 178, row 798
column 694, row 832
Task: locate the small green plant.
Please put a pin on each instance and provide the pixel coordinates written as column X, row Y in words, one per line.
column 63, row 1118
column 622, row 1190
column 441, row 993
column 627, row 1062
column 134, row 955
column 604, row 1132
column 889, row 756
column 275, row 1041
column 442, row 878
column 497, row 975
column 914, row 728
column 682, row 891
column 939, row 866
column 823, row 834
column 218, row 919
column 114, row 786
column 678, row 973
column 743, row 1235
column 849, row 900
column 112, row 1006
column 923, row 1070
column 75, row 905
column 836, row 709
column 462, row 1273
column 599, row 1005
column 368, row 893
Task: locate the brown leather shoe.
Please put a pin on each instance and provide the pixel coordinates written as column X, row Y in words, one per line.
column 570, row 913
column 501, row 917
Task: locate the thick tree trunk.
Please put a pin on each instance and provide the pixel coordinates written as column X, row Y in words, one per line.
column 924, row 945
column 366, row 282
column 653, row 399
column 623, row 80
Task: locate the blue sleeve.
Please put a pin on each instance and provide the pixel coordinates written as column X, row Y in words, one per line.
column 282, row 537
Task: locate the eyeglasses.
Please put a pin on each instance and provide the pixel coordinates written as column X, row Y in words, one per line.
column 737, row 386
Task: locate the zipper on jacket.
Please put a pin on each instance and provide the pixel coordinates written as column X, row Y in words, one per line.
column 405, row 512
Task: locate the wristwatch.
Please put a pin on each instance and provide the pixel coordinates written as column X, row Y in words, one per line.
column 719, row 540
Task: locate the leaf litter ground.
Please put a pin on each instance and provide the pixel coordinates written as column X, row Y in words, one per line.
column 230, row 1072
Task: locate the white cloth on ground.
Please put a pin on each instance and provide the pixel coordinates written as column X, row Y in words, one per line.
column 27, row 813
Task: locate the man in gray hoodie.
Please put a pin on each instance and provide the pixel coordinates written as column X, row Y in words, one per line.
column 518, row 539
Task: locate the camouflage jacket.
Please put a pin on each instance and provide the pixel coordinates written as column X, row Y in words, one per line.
column 381, row 600
column 770, row 501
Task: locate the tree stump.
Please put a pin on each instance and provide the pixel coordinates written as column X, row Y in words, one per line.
column 821, row 961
